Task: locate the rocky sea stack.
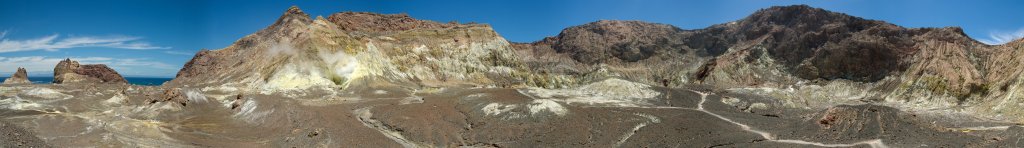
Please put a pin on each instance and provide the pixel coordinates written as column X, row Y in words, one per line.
column 19, row 77
column 68, row 71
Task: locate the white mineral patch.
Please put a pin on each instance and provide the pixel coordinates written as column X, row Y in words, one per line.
column 222, row 88
column 758, row 106
column 116, row 99
column 16, row 103
column 610, row 92
column 619, row 88
column 249, row 113
column 196, row 96
column 411, row 100
column 141, row 133
column 296, row 77
column 475, row 96
column 494, row 109
column 539, row 105
column 380, row 92
column 731, row 101
column 421, row 48
column 45, row 93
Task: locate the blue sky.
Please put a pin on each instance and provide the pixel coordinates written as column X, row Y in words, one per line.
column 154, row 38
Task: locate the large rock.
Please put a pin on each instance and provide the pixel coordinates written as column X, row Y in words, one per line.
column 19, row 77
column 68, row 71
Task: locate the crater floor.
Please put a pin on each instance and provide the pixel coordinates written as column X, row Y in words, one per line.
column 123, row 116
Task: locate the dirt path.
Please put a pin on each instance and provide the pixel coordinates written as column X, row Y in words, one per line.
column 875, row 143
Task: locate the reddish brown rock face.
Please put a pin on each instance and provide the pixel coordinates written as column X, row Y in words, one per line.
column 71, row 71
column 171, row 95
column 102, row 72
column 199, row 63
column 629, row 41
column 372, row 22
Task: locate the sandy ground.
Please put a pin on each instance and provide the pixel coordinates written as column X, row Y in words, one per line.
column 383, row 116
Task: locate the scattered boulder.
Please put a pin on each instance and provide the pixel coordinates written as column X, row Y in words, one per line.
column 68, row 71
column 237, row 103
column 171, row 95
column 19, row 77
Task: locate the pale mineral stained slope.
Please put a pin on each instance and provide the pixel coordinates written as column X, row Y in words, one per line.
column 299, row 53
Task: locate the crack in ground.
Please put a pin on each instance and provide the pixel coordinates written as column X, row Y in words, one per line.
column 728, row 144
column 364, row 116
column 875, row 143
column 651, row 120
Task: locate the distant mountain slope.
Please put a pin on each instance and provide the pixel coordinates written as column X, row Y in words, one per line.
column 798, row 53
column 822, row 54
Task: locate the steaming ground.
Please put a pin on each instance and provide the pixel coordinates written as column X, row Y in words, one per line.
column 593, row 115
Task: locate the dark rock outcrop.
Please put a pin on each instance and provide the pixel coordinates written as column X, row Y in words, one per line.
column 173, row 95
column 68, row 71
column 372, row 22
column 19, row 77
column 628, row 41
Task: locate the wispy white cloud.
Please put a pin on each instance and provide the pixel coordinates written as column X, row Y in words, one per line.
column 1002, row 37
column 179, row 53
column 54, row 42
column 40, row 65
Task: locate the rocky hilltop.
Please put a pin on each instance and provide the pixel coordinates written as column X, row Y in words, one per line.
column 19, row 77
column 68, row 71
column 298, row 52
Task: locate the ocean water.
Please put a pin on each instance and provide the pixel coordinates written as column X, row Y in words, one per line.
column 132, row 80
